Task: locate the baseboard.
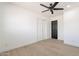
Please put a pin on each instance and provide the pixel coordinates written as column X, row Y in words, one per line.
column 73, row 43
column 19, row 45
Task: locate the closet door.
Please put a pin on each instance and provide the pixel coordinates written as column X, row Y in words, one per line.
column 39, row 30
column 42, row 29
column 45, row 29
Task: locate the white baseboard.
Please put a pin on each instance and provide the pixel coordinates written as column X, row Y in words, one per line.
column 73, row 43
column 17, row 46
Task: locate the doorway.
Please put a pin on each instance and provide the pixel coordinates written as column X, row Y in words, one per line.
column 54, row 29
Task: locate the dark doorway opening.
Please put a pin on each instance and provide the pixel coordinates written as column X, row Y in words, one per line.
column 54, row 29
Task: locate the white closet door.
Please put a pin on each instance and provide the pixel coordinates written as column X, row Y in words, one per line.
column 39, row 30
column 44, row 28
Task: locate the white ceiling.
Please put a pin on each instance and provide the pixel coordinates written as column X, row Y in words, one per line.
column 35, row 7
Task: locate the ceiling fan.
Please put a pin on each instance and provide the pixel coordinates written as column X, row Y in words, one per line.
column 51, row 7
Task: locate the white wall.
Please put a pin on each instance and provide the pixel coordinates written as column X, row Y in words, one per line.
column 20, row 27
column 60, row 26
column 2, row 41
column 71, row 26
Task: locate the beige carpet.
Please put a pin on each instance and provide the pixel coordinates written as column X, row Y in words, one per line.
column 50, row 47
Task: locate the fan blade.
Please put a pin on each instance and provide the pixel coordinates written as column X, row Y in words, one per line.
column 44, row 5
column 45, row 10
column 51, row 11
column 55, row 4
column 58, row 9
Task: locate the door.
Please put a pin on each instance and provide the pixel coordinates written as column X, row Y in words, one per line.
column 45, row 29
column 39, row 29
column 42, row 29
column 54, row 29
